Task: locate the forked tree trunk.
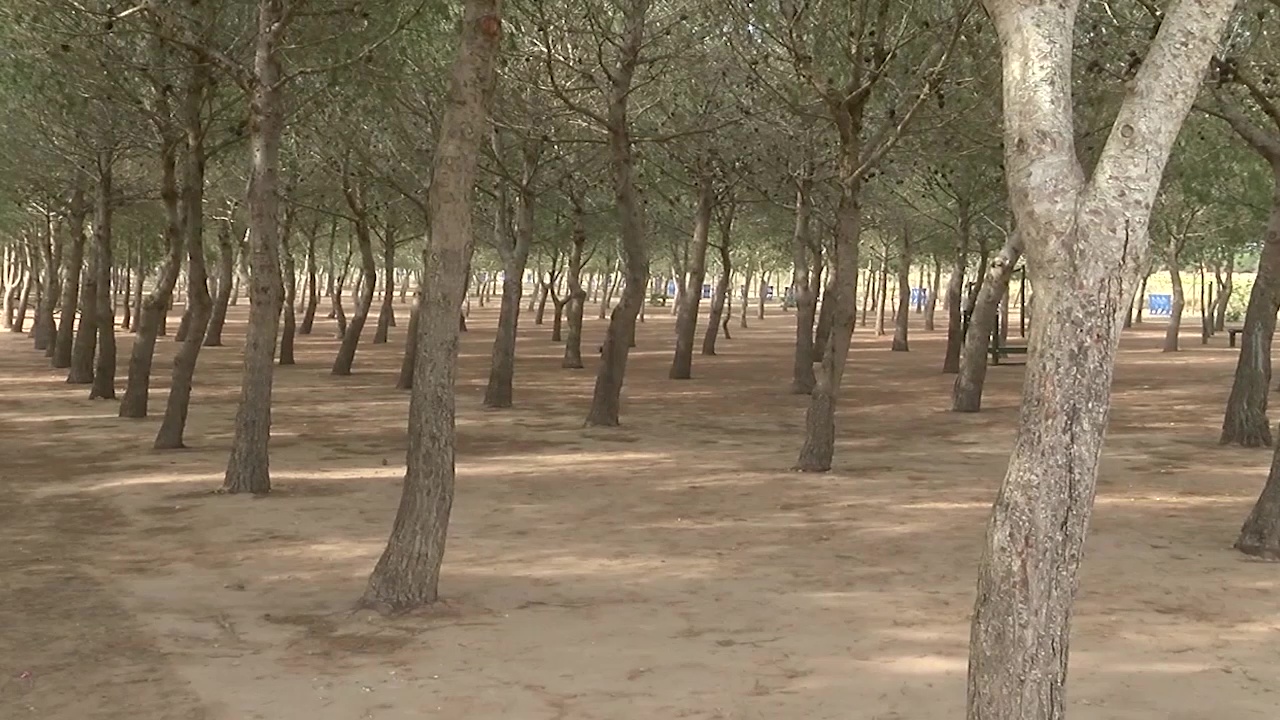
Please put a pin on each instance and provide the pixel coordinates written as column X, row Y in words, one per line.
column 499, row 391
column 1245, row 421
column 1179, row 300
column 721, row 293
column 577, row 294
column 966, row 394
column 1085, row 241
column 346, row 356
column 28, row 276
column 387, row 314
column 691, row 295
column 226, row 280
column 408, row 573
column 803, row 285
column 170, row 436
column 248, row 468
column 901, row 322
column 138, row 387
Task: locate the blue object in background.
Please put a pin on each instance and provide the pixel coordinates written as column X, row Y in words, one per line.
column 706, row 291
column 1160, row 305
column 671, row 288
column 919, row 295
column 768, row 293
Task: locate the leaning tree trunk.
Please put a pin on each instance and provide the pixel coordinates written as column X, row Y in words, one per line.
column 313, row 288
column 499, row 391
column 72, row 272
column 104, row 371
column 1245, row 421
column 803, row 285
column 387, row 313
column 368, row 283
column 1225, row 287
column 1179, row 297
column 901, row 322
column 199, row 304
column 226, row 282
column 721, row 293
column 248, row 468
column 138, row 387
column 86, row 340
column 966, row 394
column 405, row 381
column 1260, row 535
column 1085, row 241
column 408, row 573
column 577, row 294
column 691, row 295
column 826, row 315
column 955, row 303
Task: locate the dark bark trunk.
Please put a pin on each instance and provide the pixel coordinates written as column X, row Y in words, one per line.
column 721, row 292
column 955, row 311
column 882, row 293
column 577, row 300
column 826, row 315
column 49, row 261
column 408, row 572
column 248, row 468
column 104, row 371
column 405, row 381
column 72, row 273
column 544, row 291
column 138, row 387
column 691, row 293
column 1179, row 297
column 1260, row 535
column 1225, row 288
column 931, row 303
column 387, row 314
column 803, row 285
column 313, row 287
column 288, row 320
column 346, row 356
column 966, row 394
column 499, row 391
column 1245, row 421
column 226, row 281
column 901, row 322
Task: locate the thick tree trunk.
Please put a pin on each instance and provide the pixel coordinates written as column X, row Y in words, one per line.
column 50, row 259
column 803, row 285
column 1245, row 421
column 104, row 371
column 955, row 311
column 1085, row 241
column 901, row 322
column 288, row 320
column 1260, row 535
column 346, row 356
column 499, row 391
column 1179, row 297
column 408, row 573
column 826, row 315
column 86, row 340
column 72, row 272
column 577, row 300
column 199, row 309
column 408, row 361
column 248, row 468
column 691, row 295
column 966, row 394
column 226, row 281
column 721, row 292
column 387, row 314
column 138, row 387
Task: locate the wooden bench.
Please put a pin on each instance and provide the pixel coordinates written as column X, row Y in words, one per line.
column 999, row 351
column 1232, row 332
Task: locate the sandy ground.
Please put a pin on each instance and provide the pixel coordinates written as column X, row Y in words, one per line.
column 672, row 568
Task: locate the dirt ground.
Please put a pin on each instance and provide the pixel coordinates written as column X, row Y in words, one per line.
column 671, row 568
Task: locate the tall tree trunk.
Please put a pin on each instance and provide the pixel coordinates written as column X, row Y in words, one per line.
column 745, row 296
column 721, row 292
column 966, row 394
column 882, row 293
column 931, row 303
column 955, row 311
column 1179, row 298
column 1225, row 288
column 288, row 320
column 226, row 282
column 49, row 261
column 72, row 271
column 24, row 294
column 248, row 468
column 408, row 573
column 199, row 309
column 577, row 294
column 313, row 287
column 86, row 340
column 1085, row 241
column 691, row 295
column 104, row 371
column 138, row 387
column 368, row 284
column 387, row 314
column 901, row 322
column 822, row 333
column 498, row 393
column 139, row 280
column 409, row 360
column 803, row 285
column 1245, row 421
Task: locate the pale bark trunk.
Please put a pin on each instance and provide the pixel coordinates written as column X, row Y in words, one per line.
column 966, row 394
column 408, row 573
column 691, row 295
column 1085, row 242
column 248, row 467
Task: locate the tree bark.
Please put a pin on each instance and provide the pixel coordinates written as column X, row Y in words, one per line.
column 966, row 394
column 313, row 287
column 955, row 302
column 1225, row 287
column 49, row 262
column 901, row 322
column 931, row 303
column 408, row 573
column 802, row 283
column 691, row 295
column 1179, row 297
column 387, row 314
column 72, row 271
column 104, row 371
column 226, row 281
column 721, row 292
column 1245, row 420
column 248, row 468
column 288, row 320
column 409, row 360
column 577, row 294
column 1260, row 535
column 86, row 340
column 1086, row 239
column 882, row 293
column 346, row 356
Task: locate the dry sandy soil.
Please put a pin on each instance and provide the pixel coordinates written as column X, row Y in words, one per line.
column 672, row 568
